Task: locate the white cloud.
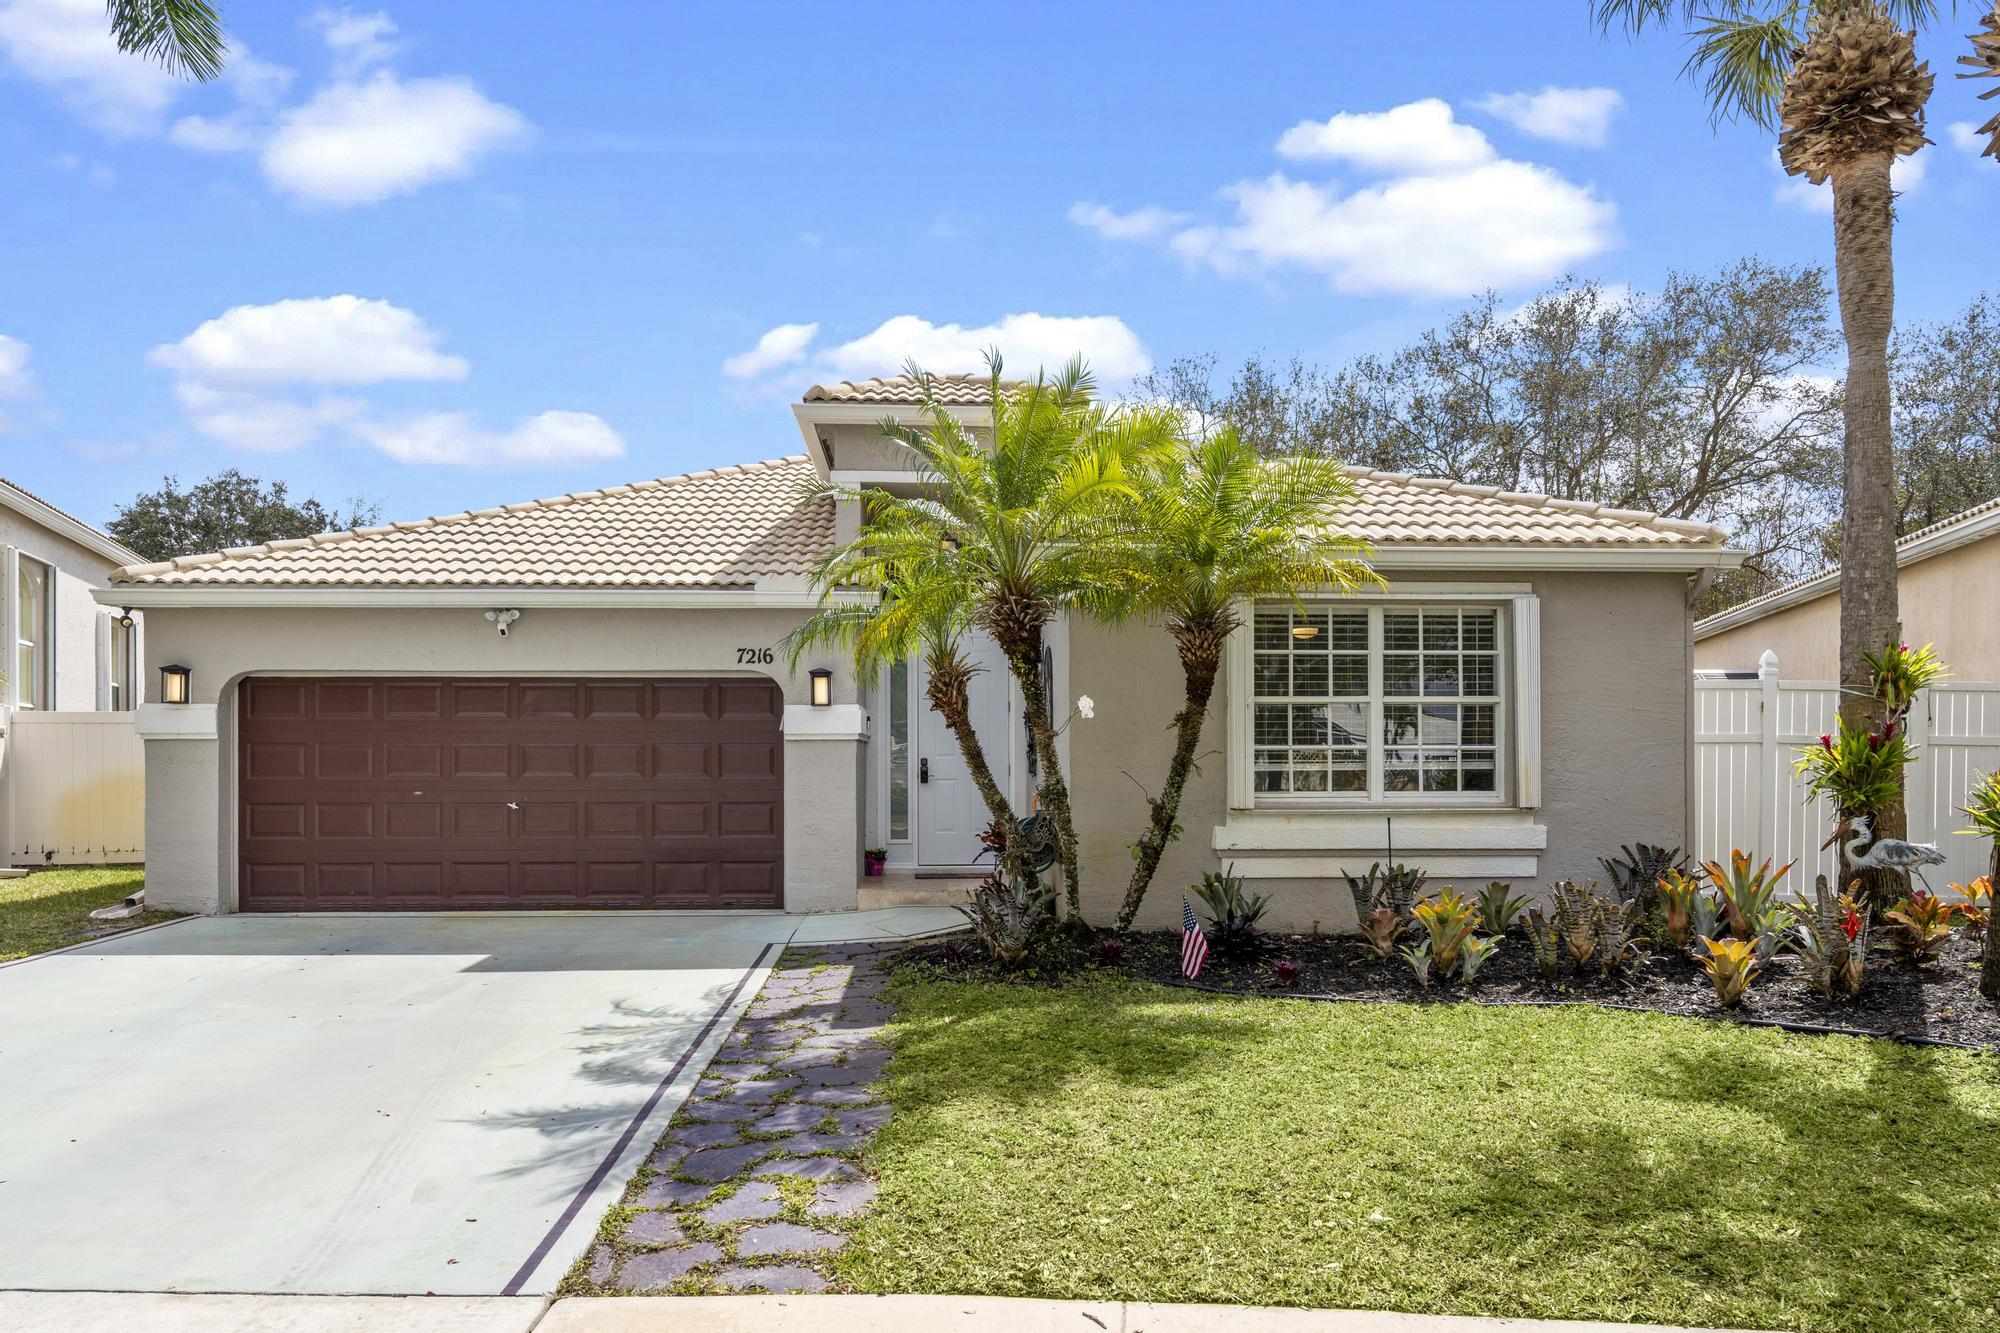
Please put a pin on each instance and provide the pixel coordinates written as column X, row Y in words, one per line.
column 1577, row 116
column 1419, row 136
column 15, row 381
column 1906, row 176
column 255, row 421
column 1141, row 224
column 780, row 346
column 318, row 340
column 1964, row 134
column 1499, row 225
column 358, row 41
column 357, row 143
column 548, row 438
column 67, row 45
column 1027, row 342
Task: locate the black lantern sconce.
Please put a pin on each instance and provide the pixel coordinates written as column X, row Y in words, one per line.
column 175, row 684
column 822, row 687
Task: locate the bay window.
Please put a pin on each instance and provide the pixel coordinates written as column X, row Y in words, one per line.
column 1392, row 701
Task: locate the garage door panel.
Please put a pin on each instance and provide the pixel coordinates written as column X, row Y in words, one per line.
column 418, row 793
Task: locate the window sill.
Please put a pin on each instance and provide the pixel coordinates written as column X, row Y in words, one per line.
column 1450, row 842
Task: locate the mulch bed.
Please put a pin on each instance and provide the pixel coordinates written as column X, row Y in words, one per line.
column 1938, row 1003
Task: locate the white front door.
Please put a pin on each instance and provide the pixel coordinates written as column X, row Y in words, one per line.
column 948, row 811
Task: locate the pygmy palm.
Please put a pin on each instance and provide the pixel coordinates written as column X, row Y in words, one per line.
column 1212, row 527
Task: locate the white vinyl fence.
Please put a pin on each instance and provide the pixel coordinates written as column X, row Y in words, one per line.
column 74, row 790
column 1748, row 729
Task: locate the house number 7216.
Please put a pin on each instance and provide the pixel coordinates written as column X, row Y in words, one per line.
column 758, row 656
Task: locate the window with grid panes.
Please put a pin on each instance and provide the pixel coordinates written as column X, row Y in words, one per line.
column 1353, row 702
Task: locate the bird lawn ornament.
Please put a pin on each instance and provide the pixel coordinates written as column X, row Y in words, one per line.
column 1885, row 853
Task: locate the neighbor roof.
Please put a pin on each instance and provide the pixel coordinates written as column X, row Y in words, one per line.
column 89, row 536
column 1971, row 525
column 735, row 527
column 730, row 527
column 901, row 391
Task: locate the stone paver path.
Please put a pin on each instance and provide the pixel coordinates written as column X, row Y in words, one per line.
column 756, row 1183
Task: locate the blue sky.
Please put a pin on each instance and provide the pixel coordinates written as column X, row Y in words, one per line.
column 439, row 265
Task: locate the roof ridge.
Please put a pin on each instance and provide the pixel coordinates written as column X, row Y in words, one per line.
column 1533, row 500
column 338, row 535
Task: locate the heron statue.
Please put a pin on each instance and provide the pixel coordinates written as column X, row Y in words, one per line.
column 1885, row 853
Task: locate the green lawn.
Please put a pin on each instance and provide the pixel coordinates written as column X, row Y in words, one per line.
column 51, row 908
column 1118, row 1140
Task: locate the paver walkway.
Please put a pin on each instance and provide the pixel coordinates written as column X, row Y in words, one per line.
column 755, row 1183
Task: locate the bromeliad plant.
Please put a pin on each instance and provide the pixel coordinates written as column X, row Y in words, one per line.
column 1448, row 918
column 1749, row 897
column 1498, row 906
column 1545, row 938
column 1731, row 965
column 1233, row 912
column 1677, row 893
column 1982, row 807
column 1831, row 939
column 1975, row 912
column 1473, row 959
column 1900, row 672
column 1920, row 926
column 1635, row 877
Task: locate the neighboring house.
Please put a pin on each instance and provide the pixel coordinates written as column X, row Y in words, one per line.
column 1947, row 580
column 66, row 655
column 363, row 735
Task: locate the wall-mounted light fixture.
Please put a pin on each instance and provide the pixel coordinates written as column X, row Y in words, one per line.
column 503, row 619
column 126, row 620
column 176, row 684
column 822, row 687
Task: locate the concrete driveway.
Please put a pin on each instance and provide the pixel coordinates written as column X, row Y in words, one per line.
column 357, row 1104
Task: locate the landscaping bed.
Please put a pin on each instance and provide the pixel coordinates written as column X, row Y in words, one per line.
column 50, row 909
column 1111, row 1139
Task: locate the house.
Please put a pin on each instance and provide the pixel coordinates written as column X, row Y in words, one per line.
column 586, row 702
column 71, row 665
column 1947, row 576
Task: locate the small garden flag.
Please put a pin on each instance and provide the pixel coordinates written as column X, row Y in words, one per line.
column 1194, row 944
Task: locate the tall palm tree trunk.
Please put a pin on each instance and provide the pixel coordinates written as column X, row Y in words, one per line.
column 950, row 693
column 1863, row 222
column 1024, row 659
column 1201, row 656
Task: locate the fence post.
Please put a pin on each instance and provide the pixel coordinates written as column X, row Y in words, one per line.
column 1920, row 806
column 1771, row 761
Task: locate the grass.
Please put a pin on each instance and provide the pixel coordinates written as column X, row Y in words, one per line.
column 51, row 908
column 1119, row 1140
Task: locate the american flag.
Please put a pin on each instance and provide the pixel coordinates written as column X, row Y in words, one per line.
column 1194, row 944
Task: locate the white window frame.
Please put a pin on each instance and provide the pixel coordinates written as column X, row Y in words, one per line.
column 1517, row 742
column 113, row 659
column 44, row 644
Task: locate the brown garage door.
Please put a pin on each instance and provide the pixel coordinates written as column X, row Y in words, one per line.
column 407, row 793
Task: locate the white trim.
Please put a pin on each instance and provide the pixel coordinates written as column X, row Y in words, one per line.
column 48, row 516
column 175, row 722
column 10, row 598
column 859, row 477
column 1527, row 555
column 1526, row 627
column 835, row 722
column 1331, row 867
column 1417, row 830
column 181, row 594
column 103, row 637
column 1947, row 536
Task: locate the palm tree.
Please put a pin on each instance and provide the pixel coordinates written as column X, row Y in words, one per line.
column 1983, row 805
column 1215, row 525
column 924, row 611
column 1841, row 81
column 1985, row 63
column 1013, row 521
column 184, row 35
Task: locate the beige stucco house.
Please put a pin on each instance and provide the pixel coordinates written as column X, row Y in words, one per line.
column 584, row 702
column 66, row 655
column 1947, row 584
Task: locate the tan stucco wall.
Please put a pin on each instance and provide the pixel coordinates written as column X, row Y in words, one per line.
column 1950, row 600
column 190, row 838
column 1615, row 724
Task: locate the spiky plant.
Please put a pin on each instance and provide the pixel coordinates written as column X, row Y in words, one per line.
column 1982, row 807
column 1985, row 63
column 183, row 35
column 1213, row 526
column 1635, row 876
column 1831, row 939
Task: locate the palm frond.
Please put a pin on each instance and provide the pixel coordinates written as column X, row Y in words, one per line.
column 183, row 35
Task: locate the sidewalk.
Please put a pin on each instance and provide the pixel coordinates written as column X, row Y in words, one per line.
column 128, row 1312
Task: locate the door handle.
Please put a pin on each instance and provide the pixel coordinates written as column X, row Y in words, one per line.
column 923, row 771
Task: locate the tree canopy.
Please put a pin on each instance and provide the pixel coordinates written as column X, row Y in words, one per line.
column 226, row 510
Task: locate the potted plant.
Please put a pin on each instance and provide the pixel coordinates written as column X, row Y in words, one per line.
column 874, row 858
